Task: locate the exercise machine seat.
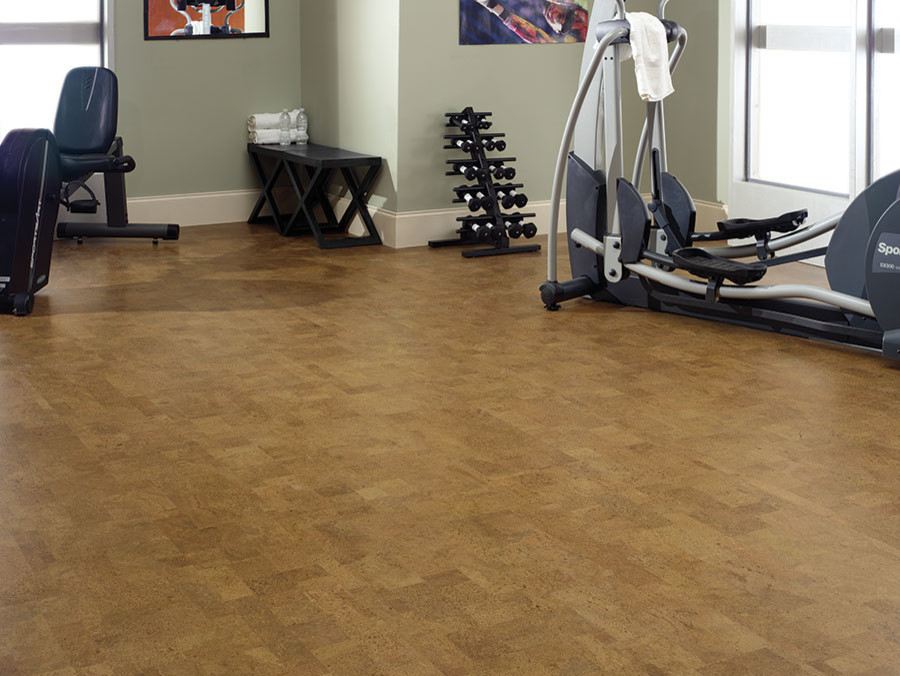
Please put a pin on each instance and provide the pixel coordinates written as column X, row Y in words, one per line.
column 86, row 123
column 85, row 129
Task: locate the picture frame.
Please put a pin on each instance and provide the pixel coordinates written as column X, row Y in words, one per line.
column 205, row 19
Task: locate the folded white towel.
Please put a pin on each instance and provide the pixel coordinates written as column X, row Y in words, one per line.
column 270, row 120
column 651, row 56
column 270, row 136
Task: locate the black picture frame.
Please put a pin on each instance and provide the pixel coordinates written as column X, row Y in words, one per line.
column 217, row 36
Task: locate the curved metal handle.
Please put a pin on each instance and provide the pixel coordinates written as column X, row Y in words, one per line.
column 568, row 133
column 621, row 8
column 662, row 9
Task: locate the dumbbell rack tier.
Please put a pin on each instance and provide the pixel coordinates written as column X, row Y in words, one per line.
column 492, row 187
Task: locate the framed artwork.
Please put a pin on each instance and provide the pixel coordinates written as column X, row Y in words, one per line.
column 491, row 22
column 190, row 19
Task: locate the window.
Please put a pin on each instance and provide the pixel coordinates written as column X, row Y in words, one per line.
column 801, row 81
column 40, row 42
column 814, row 98
column 885, row 95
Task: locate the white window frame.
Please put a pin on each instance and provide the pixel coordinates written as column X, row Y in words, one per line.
column 752, row 197
column 65, row 33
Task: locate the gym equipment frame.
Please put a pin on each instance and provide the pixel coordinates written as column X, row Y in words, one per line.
column 623, row 250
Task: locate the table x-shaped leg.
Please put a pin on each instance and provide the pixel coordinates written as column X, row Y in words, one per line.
column 266, row 195
column 359, row 196
column 306, row 199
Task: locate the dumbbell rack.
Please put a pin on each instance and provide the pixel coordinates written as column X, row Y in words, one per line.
column 493, row 226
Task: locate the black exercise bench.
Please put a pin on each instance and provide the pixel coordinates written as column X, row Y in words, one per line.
column 320, row 163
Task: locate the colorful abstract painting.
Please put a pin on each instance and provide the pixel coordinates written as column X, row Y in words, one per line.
column 491, row 22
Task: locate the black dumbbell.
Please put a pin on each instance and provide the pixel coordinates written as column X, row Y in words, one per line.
column 512, row 199
column 471, row 173
column 501, row 172
column 514, row 228
column 488, row 144
column 485, row 231
column 529, row 230
column 506, row 200
column 461, row 122
column 500, row 145
column 484, row 124
column 475, row 201
column 464, row 144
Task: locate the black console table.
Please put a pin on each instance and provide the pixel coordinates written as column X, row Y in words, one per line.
column 319, row 163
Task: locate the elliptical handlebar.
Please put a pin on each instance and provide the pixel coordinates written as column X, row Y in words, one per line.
column 568, row 133
column 621, row 8
column 661, row 13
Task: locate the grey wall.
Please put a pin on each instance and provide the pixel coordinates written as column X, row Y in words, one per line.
column 692, row 121
column 529, row 88
column 183, row 105
column 377, row 76
column 349, row 64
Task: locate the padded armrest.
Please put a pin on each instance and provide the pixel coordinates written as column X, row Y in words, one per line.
column 77, row 166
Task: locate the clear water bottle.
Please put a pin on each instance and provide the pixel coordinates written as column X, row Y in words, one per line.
column 302, row 127
column 284, row 137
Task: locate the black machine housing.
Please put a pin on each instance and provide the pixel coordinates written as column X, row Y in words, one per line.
column 29, row 203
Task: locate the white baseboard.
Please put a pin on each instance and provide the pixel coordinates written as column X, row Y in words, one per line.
column 209, row 208
column 417, row 228
column 195, row 209
column 399, row 230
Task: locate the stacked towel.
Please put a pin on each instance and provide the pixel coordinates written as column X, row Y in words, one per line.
column 270, row 120
column 270, row 136
column 651, row 56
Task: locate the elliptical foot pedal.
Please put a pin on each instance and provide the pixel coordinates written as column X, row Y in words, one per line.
column 83, row 206
column 703, row 264
column 738, row 228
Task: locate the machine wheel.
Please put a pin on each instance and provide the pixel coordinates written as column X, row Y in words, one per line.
column 23, row 304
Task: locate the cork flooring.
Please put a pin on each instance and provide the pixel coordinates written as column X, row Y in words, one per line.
column 238, row 454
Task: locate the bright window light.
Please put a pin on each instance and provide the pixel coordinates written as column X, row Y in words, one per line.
column 45, row 11
column 802, row 131
column 802, row 99
column 25, row 105
column 886, row 140
column 806, row 12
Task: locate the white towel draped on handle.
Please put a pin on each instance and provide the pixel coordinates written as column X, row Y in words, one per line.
column 270, row 120
column 651, row 56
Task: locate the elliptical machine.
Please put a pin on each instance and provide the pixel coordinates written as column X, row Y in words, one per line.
column 623, row 250
column 206, row 8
